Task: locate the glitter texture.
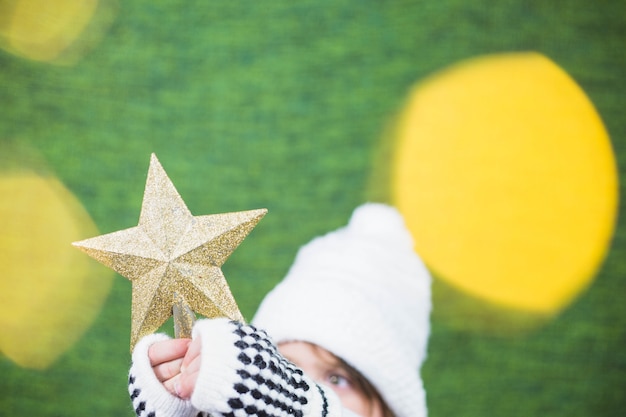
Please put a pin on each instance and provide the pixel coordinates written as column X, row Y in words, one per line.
column 172, row 257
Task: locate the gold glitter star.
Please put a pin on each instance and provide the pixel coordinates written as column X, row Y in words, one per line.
column 172, row 255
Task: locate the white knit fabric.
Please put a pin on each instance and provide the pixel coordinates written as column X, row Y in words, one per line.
column 241, row 374
column 362, row 293
column 244, row 375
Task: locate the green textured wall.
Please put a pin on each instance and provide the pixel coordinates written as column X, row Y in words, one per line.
column 282, row 105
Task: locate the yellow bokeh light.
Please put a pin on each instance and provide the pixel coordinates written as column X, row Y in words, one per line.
column 49, row 292
column 56, row 31
column 507, row 179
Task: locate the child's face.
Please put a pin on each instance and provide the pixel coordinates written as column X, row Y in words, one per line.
column 324, row 368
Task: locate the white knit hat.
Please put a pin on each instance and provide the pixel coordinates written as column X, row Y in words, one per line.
column 362, row 293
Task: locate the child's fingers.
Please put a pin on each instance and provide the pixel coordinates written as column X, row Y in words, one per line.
column 172, row 385
column 193, row 352
column 193, row 366
column 167, row 350
column 186, row 382
column 167, row 370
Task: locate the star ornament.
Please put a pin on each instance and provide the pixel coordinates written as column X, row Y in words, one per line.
column 172, row 255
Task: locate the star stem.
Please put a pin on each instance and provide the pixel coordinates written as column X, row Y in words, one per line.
column 184, row 317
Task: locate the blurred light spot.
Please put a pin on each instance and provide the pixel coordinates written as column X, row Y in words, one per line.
column 58, row 31
column 507, row 179
column 50, row 293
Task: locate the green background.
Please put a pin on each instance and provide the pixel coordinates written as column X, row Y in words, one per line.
column 283, row 105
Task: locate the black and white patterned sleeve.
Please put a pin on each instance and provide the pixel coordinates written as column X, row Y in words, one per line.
column 148, row 396
column 242, row 374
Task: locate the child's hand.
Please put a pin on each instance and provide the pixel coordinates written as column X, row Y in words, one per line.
column 166, row 359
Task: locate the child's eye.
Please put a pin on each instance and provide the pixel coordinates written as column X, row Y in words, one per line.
column 338, row 380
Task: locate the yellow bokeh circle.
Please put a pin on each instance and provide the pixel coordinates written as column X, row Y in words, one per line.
column 50, row 293
column 58, row 31
column 507, row 179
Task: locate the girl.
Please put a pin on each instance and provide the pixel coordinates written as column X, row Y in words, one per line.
column 348, row 330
